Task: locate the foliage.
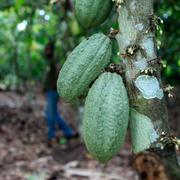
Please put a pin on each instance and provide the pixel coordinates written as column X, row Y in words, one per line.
column 169, row 11
column 23, row 35
column 26, row 26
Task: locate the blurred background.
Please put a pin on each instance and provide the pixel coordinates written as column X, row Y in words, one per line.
column 25, row 29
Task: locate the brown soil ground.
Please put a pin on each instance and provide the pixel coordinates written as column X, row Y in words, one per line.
column 24, row 154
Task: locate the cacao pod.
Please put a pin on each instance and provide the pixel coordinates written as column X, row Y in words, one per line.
column 106, row 117
column 92, row 13
column 83, row 66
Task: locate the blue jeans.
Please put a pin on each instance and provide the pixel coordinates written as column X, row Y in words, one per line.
column 53, row 117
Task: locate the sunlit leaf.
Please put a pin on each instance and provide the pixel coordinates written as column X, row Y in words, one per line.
column 19, row 3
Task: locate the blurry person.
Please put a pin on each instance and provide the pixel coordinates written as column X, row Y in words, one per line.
column 52, row 114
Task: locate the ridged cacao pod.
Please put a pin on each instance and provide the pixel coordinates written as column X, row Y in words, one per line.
column 83, row 66
column 92, row 13
column 106, row 117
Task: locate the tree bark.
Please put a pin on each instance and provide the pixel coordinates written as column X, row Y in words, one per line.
column 149, row 118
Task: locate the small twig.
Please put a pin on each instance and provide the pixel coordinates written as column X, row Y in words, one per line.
column 118, row 68
column 113, row 33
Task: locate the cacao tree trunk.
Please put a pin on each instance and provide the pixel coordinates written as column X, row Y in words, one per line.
column 149, row 118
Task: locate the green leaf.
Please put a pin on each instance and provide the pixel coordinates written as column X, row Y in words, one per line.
column 19, row 3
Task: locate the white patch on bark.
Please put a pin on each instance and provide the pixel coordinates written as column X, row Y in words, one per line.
column 139, row 26
column 149, row 87
column 133, row 6
column 141, row 64
column 148, row 45
column 154, row 136
column 127, row 34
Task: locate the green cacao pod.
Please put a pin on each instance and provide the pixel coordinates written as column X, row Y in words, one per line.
column 106, row 117
column 83, row 66
column 92, row 13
